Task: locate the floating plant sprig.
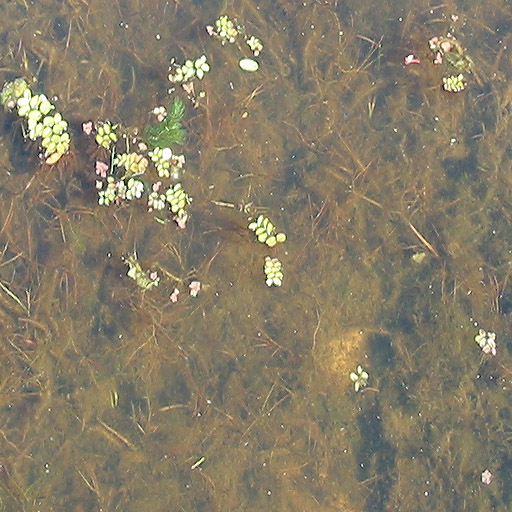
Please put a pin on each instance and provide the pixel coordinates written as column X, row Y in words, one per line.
column 486, row 341
column 227, row 31
column 189, row 70
column 454, row 83
column 133, row 163
column 449, row 52
column 167, row 164
column 169, row 131
column 178, row 200
column 359, row 378
column 106, row 134
column 144, row 280
column 35, row 109
column 273, row 271
column 266, row 232
column 115, row 191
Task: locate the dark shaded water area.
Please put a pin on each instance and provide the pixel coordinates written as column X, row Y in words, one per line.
column 395, row 196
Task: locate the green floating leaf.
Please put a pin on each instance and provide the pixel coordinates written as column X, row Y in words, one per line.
column 169, row 131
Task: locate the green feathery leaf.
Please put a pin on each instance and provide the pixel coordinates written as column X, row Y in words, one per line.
column 170, row 131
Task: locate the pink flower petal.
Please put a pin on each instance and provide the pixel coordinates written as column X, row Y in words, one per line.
column 101, row 168
column 181, row 221
column 446, row 46
column 174, row 295
column 486, row 477
column 87, row 127
column 411, row 59
column 195, row 288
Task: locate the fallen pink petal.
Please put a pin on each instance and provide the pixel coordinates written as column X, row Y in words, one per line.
column 87, row 127
column 486, row 477
column 101, row 168
column 446, row 46
column 175, row 295
column 181, row 221
column 411, row 59
column 195, row 288
column 188, row 88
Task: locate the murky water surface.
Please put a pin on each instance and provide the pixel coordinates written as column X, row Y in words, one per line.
column 395, row 197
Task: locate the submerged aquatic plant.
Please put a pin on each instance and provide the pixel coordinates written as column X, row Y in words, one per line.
column 170, row 130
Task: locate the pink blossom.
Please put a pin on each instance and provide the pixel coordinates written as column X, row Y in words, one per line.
column 195, row 288
column 174, row 295
column 160, row 113
column 411, row 59
column 433, row 42
column 87, row 127
column 101, row 169
column 486, row 477
column 188, row 88
column 181, row 221
column 446, row 46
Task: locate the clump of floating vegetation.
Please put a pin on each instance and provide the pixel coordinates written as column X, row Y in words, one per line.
column 51, row 129
column 169, row 131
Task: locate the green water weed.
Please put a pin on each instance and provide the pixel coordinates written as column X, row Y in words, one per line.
column 170, row 130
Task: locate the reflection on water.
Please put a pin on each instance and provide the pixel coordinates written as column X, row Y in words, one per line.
column 394, row 196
